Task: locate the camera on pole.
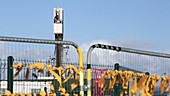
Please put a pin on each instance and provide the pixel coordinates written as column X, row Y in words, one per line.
column 58, row 21
column 58, row 32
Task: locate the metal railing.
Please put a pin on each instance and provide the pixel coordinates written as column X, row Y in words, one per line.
column 129, row 59
column 8, row 48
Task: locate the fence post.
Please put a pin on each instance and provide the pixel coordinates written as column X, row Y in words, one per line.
column 117, row 87
column 117, row 66
column 10, row 61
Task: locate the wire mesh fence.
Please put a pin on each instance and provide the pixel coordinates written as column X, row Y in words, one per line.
column 143, row 63
column 33, row 61
column 28, row 54
column 103, row 59
column 36, row 81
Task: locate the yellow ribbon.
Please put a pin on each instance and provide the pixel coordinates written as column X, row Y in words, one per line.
column 28, row 94
column 8, row 93
column 154, row 80
column 34, row 94
column 125, row 77
column 75, row 71
column 75, row 84
column 164, row 84
column 51, row 94
column 56, row 76
column 112, row 79
column 52, row 88
column 68, row 78
column 59, row 69
column 133, row 89
column 18, row 67
column 169, row 90
column 42, row 93
column 20, row 94
column 36, row 66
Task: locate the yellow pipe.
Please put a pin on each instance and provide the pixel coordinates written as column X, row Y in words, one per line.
column 89, row 82
column 81, row 70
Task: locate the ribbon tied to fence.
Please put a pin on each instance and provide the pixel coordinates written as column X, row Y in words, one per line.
column 56, row 72
column 142, row 82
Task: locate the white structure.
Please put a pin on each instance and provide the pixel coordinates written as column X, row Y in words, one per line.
column 28, row 86
column 58, row 20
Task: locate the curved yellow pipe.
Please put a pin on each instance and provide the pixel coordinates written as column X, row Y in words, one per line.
column 81, row 70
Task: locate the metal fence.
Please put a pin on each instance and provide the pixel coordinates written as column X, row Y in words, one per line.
column 23, row 55
column 137, row 61
column 20, row 56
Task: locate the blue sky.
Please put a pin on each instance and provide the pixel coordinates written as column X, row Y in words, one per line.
column 129, row 21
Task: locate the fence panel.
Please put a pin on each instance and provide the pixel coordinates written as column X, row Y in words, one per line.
column 103, row 59
column 31, row 57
